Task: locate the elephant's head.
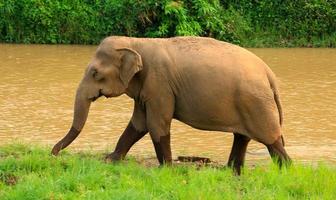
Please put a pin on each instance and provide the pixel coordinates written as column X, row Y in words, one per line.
column 108, row 74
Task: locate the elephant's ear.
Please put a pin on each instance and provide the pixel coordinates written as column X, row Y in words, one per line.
column 131, row 63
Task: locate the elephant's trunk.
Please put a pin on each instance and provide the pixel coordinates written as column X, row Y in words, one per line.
column 81, row 110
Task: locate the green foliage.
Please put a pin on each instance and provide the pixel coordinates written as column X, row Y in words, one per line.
column 245, row 22
column 32, row 173
column 290, row 23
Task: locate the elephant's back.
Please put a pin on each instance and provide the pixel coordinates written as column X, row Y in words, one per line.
column 194, row 45
column 213, row 51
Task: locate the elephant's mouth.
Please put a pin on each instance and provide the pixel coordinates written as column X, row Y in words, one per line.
column 100, row 93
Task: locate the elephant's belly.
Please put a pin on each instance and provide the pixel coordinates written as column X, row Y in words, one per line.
column 213, row 127
column 209, row 117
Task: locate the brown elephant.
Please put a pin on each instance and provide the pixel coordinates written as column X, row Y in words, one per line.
column 203, row 82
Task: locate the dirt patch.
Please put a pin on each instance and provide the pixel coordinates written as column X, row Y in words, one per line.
column 8, row 179
column 198, row 162
column 194, row 159
column 178, row 161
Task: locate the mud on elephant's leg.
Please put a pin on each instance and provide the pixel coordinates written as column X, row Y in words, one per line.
column 278, row 152
column 129, row 137
column 163, row 150
column 238, row 151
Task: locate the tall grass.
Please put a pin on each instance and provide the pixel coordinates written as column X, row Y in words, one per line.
column 32, row 173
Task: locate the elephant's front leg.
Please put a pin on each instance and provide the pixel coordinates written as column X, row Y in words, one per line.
column 159, row 114
column 129, row 137
column 163, row 150
column 135, row 130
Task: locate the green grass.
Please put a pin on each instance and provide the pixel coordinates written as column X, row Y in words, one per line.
column 32, row 173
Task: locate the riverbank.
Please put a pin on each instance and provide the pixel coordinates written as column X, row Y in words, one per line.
column 32, row 173
column 300, row 23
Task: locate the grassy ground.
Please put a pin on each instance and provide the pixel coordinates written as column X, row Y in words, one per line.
column 31, row 173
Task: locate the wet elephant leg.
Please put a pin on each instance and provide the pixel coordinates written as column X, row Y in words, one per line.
column 238, row 151
column 129, row 137
column 163, row 150
column 278, row 152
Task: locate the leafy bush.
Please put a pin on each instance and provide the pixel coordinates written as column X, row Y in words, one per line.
column 291, row 23
column 245, row 22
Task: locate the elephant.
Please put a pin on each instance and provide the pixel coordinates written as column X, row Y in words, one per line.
column 203, row 82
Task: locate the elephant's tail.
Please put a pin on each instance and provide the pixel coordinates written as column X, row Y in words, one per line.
column 278, row 103
column 272, row 81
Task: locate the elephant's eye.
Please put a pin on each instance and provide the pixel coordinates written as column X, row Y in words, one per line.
column 94, row 72
column 96, row 75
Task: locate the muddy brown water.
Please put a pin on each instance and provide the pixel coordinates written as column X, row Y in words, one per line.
column 38, row 83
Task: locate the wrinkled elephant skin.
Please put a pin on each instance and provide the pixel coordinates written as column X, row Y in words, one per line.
column 203, row 82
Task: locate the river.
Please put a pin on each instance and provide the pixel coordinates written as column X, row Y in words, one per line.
column 38, row 83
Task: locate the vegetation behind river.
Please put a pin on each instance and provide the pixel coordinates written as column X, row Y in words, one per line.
column 28, row 172
column 262, row 23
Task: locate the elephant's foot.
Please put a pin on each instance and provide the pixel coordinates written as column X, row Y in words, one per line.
column 278, row 153
column 235, row 167
column 238, row 151
column 114, row 157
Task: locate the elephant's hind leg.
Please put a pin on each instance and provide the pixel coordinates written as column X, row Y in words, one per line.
column 238, row 151
column 278, row 152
